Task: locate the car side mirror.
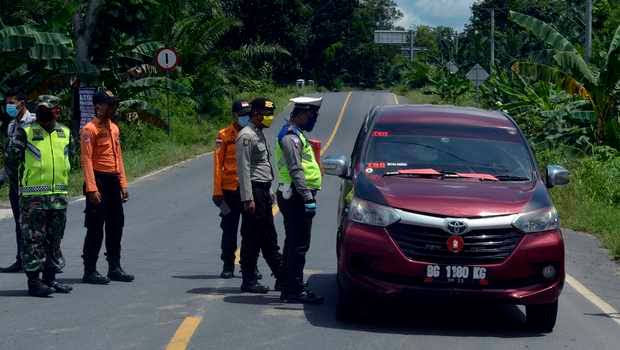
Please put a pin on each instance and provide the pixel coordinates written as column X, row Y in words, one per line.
column 557, row 176
column 336, row 165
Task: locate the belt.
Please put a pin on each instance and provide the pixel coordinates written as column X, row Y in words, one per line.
column 263, row 185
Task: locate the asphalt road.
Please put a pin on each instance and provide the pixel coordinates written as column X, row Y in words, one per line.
column 171, row 244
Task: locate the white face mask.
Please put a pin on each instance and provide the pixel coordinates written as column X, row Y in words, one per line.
column 243, row 120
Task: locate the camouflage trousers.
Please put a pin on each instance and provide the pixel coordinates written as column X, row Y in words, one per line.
column 42, row 230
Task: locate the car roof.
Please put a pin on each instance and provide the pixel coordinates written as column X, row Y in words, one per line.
column 441, row 115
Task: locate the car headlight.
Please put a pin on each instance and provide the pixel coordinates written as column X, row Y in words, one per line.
column 538, row 221
column 369, row 213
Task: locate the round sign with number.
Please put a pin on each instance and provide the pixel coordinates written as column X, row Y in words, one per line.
column 167, row 59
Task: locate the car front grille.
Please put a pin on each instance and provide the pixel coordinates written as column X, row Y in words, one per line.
column 430, row 244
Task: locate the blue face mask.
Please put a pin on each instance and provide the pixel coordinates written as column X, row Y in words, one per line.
column 11, row 110
column 243, row 120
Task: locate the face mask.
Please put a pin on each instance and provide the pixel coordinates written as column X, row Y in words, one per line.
column 267, row 120
column 243, row 120
column 311, row 123
column 45, row 116
column 11, row 110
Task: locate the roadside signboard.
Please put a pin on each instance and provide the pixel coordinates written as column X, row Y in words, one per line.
column 87, row 108
column 477, row 75
column 391, row 37
column 167, row 59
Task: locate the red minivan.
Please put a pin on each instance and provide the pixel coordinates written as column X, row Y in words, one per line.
column 448, row 202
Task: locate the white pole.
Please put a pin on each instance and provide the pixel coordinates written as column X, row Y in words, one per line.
column 492, row 40
column 588, row 30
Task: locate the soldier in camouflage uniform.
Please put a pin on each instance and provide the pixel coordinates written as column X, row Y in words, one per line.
column 39, row 153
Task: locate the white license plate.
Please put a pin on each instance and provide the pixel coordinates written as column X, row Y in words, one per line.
column 456, row 274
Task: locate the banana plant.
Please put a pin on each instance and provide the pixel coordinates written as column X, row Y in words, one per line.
column 597, row 84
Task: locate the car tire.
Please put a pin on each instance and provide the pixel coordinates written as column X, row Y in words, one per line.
column 541, row 318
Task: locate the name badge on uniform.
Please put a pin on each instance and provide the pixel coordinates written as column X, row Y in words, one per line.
column 60, row 133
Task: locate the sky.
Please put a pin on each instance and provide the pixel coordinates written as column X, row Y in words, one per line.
column 450, row 13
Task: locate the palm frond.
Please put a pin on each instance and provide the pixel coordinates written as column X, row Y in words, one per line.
column 573, row 64
column 553, row 75
column 610, row 74
column 543, row 31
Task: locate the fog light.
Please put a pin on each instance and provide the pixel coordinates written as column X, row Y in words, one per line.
column 549, row 272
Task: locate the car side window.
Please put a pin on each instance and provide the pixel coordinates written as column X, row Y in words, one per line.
column 359, row 142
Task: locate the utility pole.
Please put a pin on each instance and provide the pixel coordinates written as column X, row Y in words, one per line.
column 411, row 45
column 493, row 40
column 588, row 30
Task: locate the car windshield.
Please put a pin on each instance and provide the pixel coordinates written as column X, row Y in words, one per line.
column 416, row 154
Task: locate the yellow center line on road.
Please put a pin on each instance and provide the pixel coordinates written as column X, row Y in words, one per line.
column 609, row 310
column 184, row 333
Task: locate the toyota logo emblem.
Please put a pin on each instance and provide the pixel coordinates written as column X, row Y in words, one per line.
column 457, row 227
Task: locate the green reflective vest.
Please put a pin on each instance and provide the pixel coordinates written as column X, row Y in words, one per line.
column 46, row 165
column 311, row 168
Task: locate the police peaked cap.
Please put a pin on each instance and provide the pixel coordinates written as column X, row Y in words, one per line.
column 307, row 103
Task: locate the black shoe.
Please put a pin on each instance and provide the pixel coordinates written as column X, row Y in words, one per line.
column 60, row 287
column 305, row 297
column 14, row 268
column 119, row 275
column 227, row 274
column 256, row 288
column 93, row 277
column 37, row 288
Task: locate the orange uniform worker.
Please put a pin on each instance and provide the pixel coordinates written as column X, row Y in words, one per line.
column 105, row 187
column 226, row 184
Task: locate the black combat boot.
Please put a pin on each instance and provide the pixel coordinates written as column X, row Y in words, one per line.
column 255, row 288
column 228, row 271
column 94, row 277
column 116, row 272
column 14, row 268
column 49, row 278
column 36, row 287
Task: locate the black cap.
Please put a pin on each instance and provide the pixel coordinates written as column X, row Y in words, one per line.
column 104, row 97
column 262, row 104
column 241, row 107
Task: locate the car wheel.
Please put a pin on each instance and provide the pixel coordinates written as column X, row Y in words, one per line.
column 542, row 318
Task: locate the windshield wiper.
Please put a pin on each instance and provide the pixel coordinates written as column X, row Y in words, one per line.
column 413, row 172
column 441, row 174
column 512, row 178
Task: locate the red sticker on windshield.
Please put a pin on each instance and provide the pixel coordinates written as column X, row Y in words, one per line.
column 377, row 133
column 377, row 165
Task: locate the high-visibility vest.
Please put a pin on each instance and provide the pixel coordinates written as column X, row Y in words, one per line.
column 46, row 166
column 311, row 168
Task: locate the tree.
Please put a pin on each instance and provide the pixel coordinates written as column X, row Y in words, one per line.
column 570, row 70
